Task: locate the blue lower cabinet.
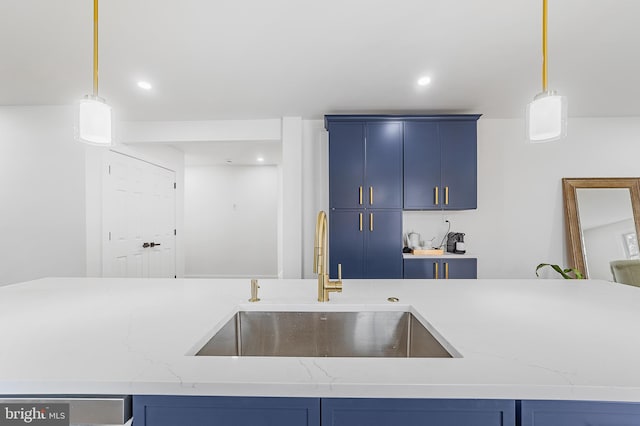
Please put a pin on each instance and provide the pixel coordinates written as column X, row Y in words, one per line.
column 579, row 413
column 441, row 268
column 417, row 412
column 225, row 411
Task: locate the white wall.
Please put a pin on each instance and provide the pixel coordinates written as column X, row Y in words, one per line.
column 520, row 218
column 231, row 221
column 315, row 186
column 42, row 194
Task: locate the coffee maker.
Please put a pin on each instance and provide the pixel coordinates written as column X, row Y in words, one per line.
column 455, row 243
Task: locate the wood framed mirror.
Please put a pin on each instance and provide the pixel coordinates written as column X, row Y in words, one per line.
column 602, row 217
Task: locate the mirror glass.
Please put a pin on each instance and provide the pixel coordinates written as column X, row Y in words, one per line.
column 607, row 229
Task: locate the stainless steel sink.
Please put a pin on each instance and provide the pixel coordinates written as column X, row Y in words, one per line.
column 324, row 334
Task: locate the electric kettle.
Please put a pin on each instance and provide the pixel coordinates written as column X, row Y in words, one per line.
column 413, row 240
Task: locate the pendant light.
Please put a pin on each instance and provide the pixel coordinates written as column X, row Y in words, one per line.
column 94, row 115
column 547, row 113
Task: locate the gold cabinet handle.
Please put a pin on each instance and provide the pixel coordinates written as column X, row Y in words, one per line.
column 446, row 270
column 371, row 222
column 339, row 271
column 360, row 196
column 360, row 222
column 371, row 195
column 446, row 195
column 436, row 190
column 436, row 265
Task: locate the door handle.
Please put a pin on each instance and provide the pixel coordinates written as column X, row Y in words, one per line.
column 360, row 222
column 371, row 195
column 360, row 192
column 446, row 195
column 436, row 266
column 371, row 222
column 436, row 190
column 446, row 270
column 154, row 244
column 145, row 245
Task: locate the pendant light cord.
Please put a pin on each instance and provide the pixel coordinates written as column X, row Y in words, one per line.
column 544, row 45
column 95, row 48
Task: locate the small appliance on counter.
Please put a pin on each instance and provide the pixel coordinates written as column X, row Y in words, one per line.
column 416, row 245
column 455, row 243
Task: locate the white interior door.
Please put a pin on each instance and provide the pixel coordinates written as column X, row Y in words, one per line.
column 138, row 219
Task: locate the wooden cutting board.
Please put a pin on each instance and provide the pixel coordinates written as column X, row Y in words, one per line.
column 431, row 252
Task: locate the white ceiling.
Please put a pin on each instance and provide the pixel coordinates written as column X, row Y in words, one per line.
column 247, row 59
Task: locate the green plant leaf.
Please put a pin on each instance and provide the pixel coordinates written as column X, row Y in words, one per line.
column 565, row 273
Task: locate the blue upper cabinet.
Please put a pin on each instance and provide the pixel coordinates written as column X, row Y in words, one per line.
column 383, row 165
column 365, row 162
column 421, row 165
column 346, row 164
column 440, row 163
column 459, row 155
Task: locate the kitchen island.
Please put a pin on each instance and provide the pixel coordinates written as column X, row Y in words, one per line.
column 513, row 339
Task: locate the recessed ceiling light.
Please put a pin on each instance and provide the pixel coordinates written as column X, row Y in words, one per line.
column 144, row 85
column 260, row 159
column 424, row 81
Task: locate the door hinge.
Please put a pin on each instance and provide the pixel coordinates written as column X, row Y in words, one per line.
column 175, row 276
column 174, row 232
column 109, row 236
column 109, row 168
column 174, row 185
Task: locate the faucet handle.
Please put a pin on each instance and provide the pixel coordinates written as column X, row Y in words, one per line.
column 254, row 291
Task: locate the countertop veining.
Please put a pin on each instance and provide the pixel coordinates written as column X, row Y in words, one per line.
column 519, row 339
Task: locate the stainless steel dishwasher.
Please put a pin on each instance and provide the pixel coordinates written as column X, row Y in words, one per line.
column 85, row 410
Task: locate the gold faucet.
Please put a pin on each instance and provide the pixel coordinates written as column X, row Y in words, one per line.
column 325, row 286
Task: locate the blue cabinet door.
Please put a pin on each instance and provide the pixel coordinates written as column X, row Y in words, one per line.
column 346, row 242
column 421, row 165
column 383, row 165
column 420, row 268
column 459, row 269
column 459, row 164
column 417, row 412
column 383, row 244
column 368, row 243
column 225, row 411
column 579, row 413
column 346, row 164
column 442, row 268
column 440, row 164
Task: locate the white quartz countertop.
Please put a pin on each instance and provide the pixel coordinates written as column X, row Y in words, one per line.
column 519, row 339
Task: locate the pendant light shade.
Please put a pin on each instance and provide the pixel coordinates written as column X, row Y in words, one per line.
column 546, row 115
column 93, row 122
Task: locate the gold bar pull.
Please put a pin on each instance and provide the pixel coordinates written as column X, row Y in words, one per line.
column 371, row 195
column 339, row 271
column 360, row 222
column 371, row 222
column 437, row 201
column 446, row 270
column 437, row 273
column 360, row 195
column 446, row 195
